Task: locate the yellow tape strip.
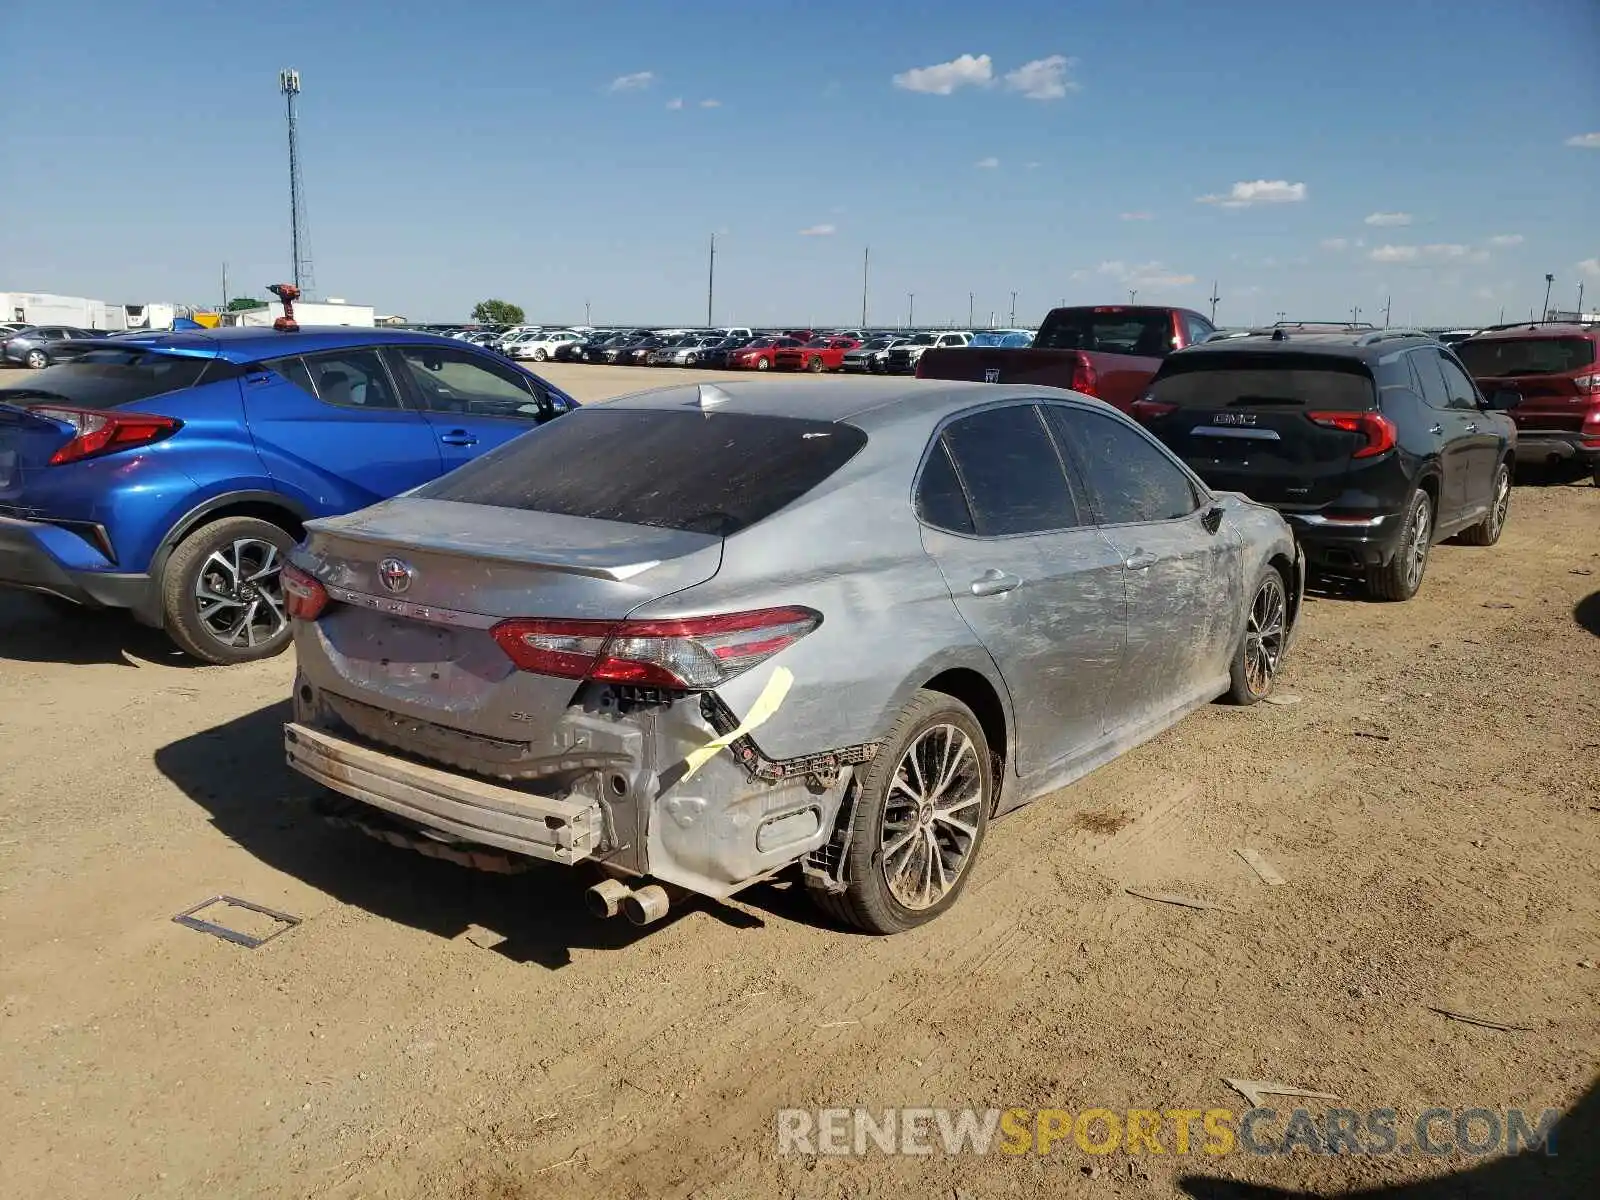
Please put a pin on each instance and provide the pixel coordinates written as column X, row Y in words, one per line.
column 766, row 704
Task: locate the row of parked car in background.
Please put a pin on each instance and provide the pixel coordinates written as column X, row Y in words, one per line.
column 857, row 350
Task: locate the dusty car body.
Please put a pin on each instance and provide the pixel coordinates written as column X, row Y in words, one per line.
column 669, row 644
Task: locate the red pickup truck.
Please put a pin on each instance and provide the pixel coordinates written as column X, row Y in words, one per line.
column 1108, row 351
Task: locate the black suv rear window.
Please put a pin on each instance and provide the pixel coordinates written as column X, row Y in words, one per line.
column 1112, row 331
column 714, row 473
column 1502, row 357
column 109, row 377
column 1211, row 380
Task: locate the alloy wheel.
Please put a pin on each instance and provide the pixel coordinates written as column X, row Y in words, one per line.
column 1417, row 550
column 1502, row 501
column 930, row 817
column 38, row 360
column 1264, row 635
column 239, row 593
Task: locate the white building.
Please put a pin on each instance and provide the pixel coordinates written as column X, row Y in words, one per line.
column 307, row 312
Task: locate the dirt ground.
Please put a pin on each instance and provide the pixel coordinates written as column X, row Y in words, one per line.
column 1433, row 801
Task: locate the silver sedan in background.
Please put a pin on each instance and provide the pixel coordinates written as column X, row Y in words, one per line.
column 702, row 635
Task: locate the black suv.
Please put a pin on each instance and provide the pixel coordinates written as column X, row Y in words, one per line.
column 1375, row 444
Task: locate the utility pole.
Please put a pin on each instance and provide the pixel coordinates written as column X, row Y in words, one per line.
column 866, row 267
column 299, row 248
column 969, row 310
column 1014, row 307
column 1549, row 282
column 1214, row 299
column 711, row 278
column 1132, row 292
column 1388, row 302
column 911, row 308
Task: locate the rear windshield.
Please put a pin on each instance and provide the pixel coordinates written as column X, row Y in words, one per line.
column 699, row 472
column 1500, row 357
column 1125, row 331
column 1207, row 380
column 109, row 377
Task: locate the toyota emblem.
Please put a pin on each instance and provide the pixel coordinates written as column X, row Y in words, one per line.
column 394, row 575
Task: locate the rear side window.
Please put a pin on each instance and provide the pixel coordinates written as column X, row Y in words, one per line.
column 715, row 473
column 1215, row 380
column 107, row 378
column 1012, row 475
column 940, row 500
column 1502, row 357
column 1133, row 479
column 1433, row 389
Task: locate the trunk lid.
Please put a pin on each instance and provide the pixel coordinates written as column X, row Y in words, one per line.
column 1242, row 422
column 27, row 440
column 417, row 584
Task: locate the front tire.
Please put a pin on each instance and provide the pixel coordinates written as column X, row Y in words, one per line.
column 37, row 360
column 763, row 364
column 815, row 365
column 1255, row 664
column 921, row 811
column 539, row 355
column 1487, row 531
column 1401, row 576
column 222, row 593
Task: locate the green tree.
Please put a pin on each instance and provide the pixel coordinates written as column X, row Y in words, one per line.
column 242, row 302
column 497, row 312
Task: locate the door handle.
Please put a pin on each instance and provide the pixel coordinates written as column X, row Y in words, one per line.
column 458, row 437
column 1140, row 559
column 994, row 583
column 1436, row 430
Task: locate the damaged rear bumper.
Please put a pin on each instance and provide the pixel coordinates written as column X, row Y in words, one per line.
column 476, row 811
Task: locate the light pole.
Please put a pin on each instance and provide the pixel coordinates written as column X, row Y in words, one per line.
column 711, row 278
column 1014, row 305
column 1549, row 282
column 585, row 312
column 1355, row 314
column 969, row 310
column 1580, row 300
column 1132, row 292
column 1214, row 299
column 911, row 308
column 866, row 263
column 1388, row 304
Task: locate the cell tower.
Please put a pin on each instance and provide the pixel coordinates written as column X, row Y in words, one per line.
column 299, row 244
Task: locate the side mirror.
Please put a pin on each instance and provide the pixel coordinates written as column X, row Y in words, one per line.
column 1505, row 398
column 1212, row 520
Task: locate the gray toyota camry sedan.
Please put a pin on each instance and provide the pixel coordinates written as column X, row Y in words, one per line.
column 701, row 636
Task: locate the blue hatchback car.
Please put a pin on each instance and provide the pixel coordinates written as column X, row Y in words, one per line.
column 169, row 474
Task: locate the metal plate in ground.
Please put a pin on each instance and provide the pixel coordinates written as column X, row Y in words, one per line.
column 250, row 941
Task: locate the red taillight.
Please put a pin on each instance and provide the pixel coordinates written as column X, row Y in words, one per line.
column 1084, row 378
column 1375, row 427
column 691, row 652
column 97, row 432
column 1587, row 384
column 1146, row 409
column 303, row 596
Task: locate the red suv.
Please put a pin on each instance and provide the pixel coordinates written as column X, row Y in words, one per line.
column 1555, row 365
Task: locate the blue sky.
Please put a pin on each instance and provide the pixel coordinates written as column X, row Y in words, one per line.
column 1444, row 154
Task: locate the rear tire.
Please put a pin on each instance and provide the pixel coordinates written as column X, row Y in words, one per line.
column 1401, row 576
column 539, row 355
column 921, row 811
column 815, row 365
column 1266, row 634
column 221, row 592
column 1487, row 531
column 37, row 360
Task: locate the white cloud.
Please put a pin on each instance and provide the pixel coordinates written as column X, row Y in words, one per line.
column 1385, row 220
column 1258, row 191
column 675, row 104
column 1585, row 141
column 1134, row 216
column 817, row 231
column 1032, row 166
column 1436, row 252
column 711, row 104
column 1502, row 240
column 1590, row 267
column 1335, row 244
column 1143, row 275
column 633, row 83
column 1043, row 78
column 987, row 164
column 943, row 78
